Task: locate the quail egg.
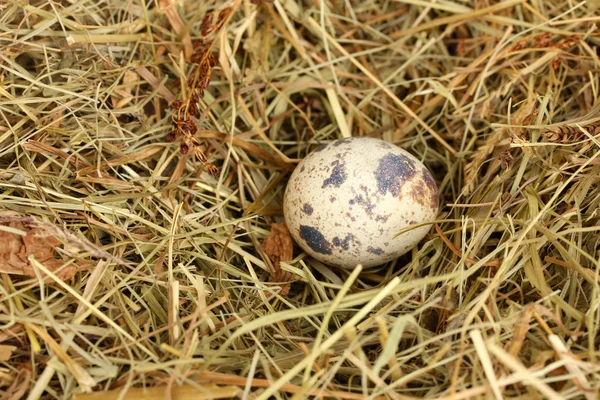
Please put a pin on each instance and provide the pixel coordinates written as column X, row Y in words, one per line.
column 345, row 202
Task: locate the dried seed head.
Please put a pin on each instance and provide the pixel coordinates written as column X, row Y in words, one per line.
column 187, row 108
column 171, row 136
column 190, row 127
column 184, row 148
column 213, row 170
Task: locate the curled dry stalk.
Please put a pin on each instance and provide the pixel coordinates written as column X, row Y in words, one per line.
column 186, row 109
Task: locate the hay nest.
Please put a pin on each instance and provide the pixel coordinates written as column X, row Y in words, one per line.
column 144, row 149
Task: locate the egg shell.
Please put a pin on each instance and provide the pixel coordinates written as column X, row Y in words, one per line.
column 345, row 202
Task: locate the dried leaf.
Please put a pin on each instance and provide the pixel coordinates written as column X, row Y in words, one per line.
column 279, row 246
column 130, row 77
column 44, row 148
column 123, row 96
column 140, row 155
column 22, row 241
column 6, row 351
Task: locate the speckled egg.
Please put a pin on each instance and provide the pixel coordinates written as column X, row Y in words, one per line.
column 347, row 200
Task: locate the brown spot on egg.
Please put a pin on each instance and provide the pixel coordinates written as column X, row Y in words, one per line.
column 307, row 208
column 315, row 239
column 434, row 195
column 393, row 171
column 418, row 194
column 385, row 145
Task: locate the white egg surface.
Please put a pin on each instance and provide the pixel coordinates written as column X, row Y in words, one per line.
column 345, row 202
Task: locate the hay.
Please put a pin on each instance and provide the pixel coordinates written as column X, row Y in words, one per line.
column 162, row 283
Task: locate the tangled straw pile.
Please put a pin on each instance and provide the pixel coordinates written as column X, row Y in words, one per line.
column 144, row 148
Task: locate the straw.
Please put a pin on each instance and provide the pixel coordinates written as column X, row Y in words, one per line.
column 145, row 146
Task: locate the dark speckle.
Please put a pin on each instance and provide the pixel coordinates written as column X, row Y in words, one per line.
column 392, row 172
column 338, row 175
column 302, row 169
column 382, row 218
column 315, row 239
column 385, row 145
column 307, row 208
column 365, row 201
column 375, row 250
column 332, row 199
column 344, row 244
column 342, row 141
column 351, row 217
column 321, row 147
column 359, row 199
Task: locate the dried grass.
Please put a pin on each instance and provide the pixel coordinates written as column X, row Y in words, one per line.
column 176, row 295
